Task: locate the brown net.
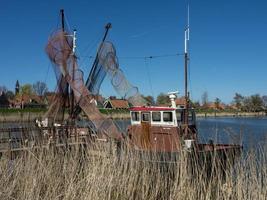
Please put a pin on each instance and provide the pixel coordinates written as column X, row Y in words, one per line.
column 106, row 63
column 69, row 77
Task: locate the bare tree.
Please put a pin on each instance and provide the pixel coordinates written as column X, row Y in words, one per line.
column 40, row 88
column 3, row 89
column 239, row 100
column 205, row 99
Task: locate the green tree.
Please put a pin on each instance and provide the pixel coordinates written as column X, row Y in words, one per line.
column 26, row 89
column 163, row 99
column 150, row 100
column 217, row 103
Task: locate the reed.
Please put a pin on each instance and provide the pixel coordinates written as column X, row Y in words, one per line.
column 81, row 174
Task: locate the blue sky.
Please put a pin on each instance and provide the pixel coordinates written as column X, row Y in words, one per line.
column 228, row 45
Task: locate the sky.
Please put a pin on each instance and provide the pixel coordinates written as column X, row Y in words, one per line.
column 228, row 44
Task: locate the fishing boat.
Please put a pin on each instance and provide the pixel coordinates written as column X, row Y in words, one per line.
column 169, row 130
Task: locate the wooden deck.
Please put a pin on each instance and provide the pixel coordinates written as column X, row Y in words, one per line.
column 13, row 141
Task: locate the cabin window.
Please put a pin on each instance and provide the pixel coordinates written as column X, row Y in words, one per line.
column 145, row 117
column 135, row 116
column 156, row 116
column 167, row 117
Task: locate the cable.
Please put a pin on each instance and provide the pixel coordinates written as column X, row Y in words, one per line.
column 143, row 57
column 149, row 77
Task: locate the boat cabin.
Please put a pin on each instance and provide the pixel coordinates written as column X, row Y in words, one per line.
column 160, row 128
column 161, row 116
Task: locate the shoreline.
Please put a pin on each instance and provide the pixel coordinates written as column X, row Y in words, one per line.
column 231, row 114
column 31, row 116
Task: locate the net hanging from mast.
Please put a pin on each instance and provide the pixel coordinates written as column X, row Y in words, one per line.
column 68, row 74
column 107, row 64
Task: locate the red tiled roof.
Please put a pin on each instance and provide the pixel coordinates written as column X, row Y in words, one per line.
column 180, row 101
column 28, row 98
column 119, row 103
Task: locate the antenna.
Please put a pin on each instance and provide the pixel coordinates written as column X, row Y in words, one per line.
column 187, row 31
column 74, row 41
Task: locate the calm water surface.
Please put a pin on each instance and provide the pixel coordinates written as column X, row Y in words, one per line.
column 250, row 131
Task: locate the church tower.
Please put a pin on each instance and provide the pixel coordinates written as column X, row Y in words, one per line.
column 17, row 88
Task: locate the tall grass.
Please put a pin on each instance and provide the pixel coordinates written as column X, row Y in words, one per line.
column 81, row 175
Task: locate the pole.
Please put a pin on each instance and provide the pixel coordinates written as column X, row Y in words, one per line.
column 77, row 109
column 62, row 20
column 66, row 89
column 186, row 59
column 107, row 27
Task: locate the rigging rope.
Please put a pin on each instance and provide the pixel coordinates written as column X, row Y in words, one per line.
column 142, row 57
column 149, row 77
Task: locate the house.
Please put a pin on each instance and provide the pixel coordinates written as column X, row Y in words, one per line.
column 180, row 102
column 213, row 106
column 28, row 101
column 119, row 104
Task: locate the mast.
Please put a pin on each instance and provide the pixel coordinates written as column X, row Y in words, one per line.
column 62, row 20
column 107, row 27
column 72, row 103
column 77, row 109
column 66, row 89
column 186, row 59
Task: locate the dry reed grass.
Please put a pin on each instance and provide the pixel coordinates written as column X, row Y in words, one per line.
column 79, row 175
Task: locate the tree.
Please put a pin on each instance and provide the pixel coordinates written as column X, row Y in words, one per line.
column 150, row 100
column 256, row 103
column 264, row 101
column 10, row 94
column 195, row 104
column 26, row 89
column 3, row 89
column 39, row 88
column 217, row 103
column 238, row 100
column 205, row 99
column 163, row 99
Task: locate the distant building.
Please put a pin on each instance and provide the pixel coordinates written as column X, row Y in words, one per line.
column 119, row 104
column 180, row 102
column 17, row 88
column 28, row 101
column 220, row 106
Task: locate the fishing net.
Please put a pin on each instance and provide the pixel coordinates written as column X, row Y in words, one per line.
column 107, row 64
column 59, row 51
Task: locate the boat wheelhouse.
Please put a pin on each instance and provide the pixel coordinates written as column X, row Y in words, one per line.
column 162, row 129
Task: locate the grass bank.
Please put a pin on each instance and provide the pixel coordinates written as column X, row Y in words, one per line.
column 33, row 113
column 68, row 175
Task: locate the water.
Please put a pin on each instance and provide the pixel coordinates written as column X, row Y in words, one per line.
column 251, row 132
